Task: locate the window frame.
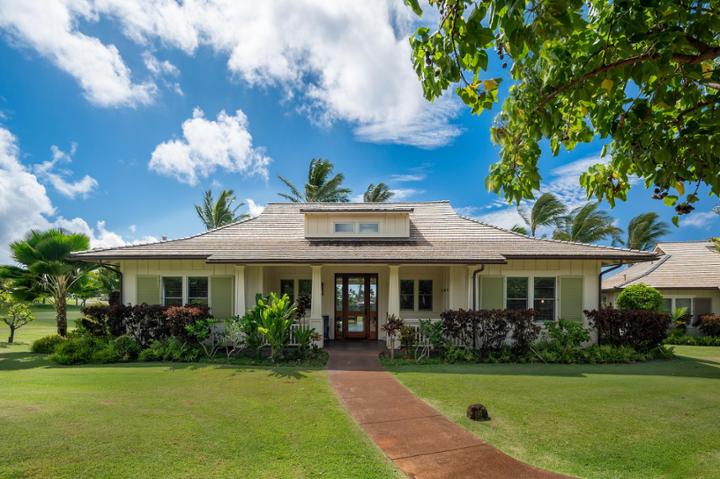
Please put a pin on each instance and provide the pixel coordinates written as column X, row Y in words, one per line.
column 531, row 288
column 187, row 295
column 412, row 294
column 164, row 297
column 185, row 287
column 528, row 297
column 343, row 223
column 356, row 228
column 419, row 294
column 554, row 299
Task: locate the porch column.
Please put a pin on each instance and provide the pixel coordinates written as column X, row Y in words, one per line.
column 240, row 290
column 316, row 320
column 393, row 296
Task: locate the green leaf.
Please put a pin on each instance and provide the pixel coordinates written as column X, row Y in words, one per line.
column 415, row 6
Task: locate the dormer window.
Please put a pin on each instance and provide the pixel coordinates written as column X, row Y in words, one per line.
column 368, row 227
column 344, row 227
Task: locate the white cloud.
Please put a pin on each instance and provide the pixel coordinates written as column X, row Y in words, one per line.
column 700, row 219
column 408, row 178
column 24, row 203
column 132, row 228
column 400, row 194
column 71, row 189
column 50, row 28
column 209, row 145
column 254, row 208
column 100, row 236
column 504, row 218
column 159, row 67
column 342, row 60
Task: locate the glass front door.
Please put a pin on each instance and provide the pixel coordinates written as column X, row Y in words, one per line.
column 356, row 306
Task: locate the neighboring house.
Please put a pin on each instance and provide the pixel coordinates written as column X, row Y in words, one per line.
column 360, row 263
column 686, row 273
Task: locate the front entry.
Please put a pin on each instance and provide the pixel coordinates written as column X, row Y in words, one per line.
column 356, row 306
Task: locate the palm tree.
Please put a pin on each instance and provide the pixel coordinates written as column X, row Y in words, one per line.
column 587, row 224
column 218, row 213
column 520, row 229
column 379, row 193
column 47, row 268
column 644, row 230
column 546, row 210
column 318, row 187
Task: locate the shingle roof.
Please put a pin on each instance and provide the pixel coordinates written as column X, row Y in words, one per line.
column 689, row 264
column 437, row 235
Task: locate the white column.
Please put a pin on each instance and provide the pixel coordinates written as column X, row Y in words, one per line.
column 240, row 290
column 129, row 286
column 393, row 296
column 316, row 320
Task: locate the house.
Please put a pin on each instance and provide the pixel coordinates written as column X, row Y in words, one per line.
column 687, row 274
column 360, row 262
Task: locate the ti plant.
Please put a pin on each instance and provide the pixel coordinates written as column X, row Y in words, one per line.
column 276, row 318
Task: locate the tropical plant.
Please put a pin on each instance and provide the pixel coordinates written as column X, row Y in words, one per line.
column 587, row 224
column 14, row 314
column 640, row 296
column 679, row 319
column 644, row 230
column 716, row 242
column 216, row 213
column 392, row 327
column 303, row 337
column 47, row 268
column 319, row 187
column 642, row 74
column 546, row 211
column 204, row 333
column 379, row 193
column 249, row 323
column 276, row 318
column 233, row 336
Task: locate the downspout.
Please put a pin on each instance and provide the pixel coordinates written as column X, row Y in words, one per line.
column 474, row 301
column 120, row 276
column 474, row 278
column 600, row 278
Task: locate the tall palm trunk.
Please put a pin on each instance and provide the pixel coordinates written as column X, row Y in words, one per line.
column 61, row 314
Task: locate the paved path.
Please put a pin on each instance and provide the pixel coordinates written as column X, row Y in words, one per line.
column 423, row 443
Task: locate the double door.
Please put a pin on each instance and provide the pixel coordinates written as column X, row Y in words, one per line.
column 356, row 306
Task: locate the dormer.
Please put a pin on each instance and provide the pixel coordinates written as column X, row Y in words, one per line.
column 356, row 221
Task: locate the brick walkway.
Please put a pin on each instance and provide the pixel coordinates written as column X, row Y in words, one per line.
column 422, row 442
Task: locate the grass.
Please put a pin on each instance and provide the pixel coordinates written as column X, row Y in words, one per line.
column 172, row 420
column 654, row 419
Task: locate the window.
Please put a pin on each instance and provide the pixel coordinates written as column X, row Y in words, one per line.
column 344, row 227
column 425, row 291
column 198, row 290
column 368, row 228
column 517, row 293
column 684, row 303
column 544, row 299
column 666, row 305
column 287, row 286
column 407, row 294
column 172, row 291
column 305, row 287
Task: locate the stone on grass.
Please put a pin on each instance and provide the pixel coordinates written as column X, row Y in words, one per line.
column 477, row 412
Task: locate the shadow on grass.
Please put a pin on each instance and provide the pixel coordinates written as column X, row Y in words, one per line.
column 20, row 360
column 678, row 367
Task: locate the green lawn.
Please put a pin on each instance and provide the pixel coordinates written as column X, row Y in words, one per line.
column 655, row 419
column 173, row 420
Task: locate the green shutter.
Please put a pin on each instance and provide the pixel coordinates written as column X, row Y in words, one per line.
column 148, row 289
column 221, row 290
column 571, row 299
column 491, row 292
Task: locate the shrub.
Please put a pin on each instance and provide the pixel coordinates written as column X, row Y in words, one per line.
column 408, row 335
column 78, row 350
column 47, row 344
column 640, row 296
column 276, row 318
column 154, row 352
column 127, row 348
column 178, row 318
column 15, row 315
column 453, row 354
column 524, row 329
column 693, row 340
column 606, row 353
column 232, row 336
column 483, row 330
column 171, row 349
column 145, row 323
column 640, row 329
column 303, row 337
column 392, row 327
column 710, row 324
column 203, row 332
column 564, row 343
column 104, row 320
column 249, row 324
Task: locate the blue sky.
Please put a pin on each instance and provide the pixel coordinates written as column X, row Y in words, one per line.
column 115, row 118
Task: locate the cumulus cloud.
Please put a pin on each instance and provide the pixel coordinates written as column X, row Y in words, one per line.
column 341, row 60
column 57, row 178
column 208, row 145
column 400, row 194
column 51, row 29
column 100, row 236
column 700, row 219
column 253, row 208
column 24, row 203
